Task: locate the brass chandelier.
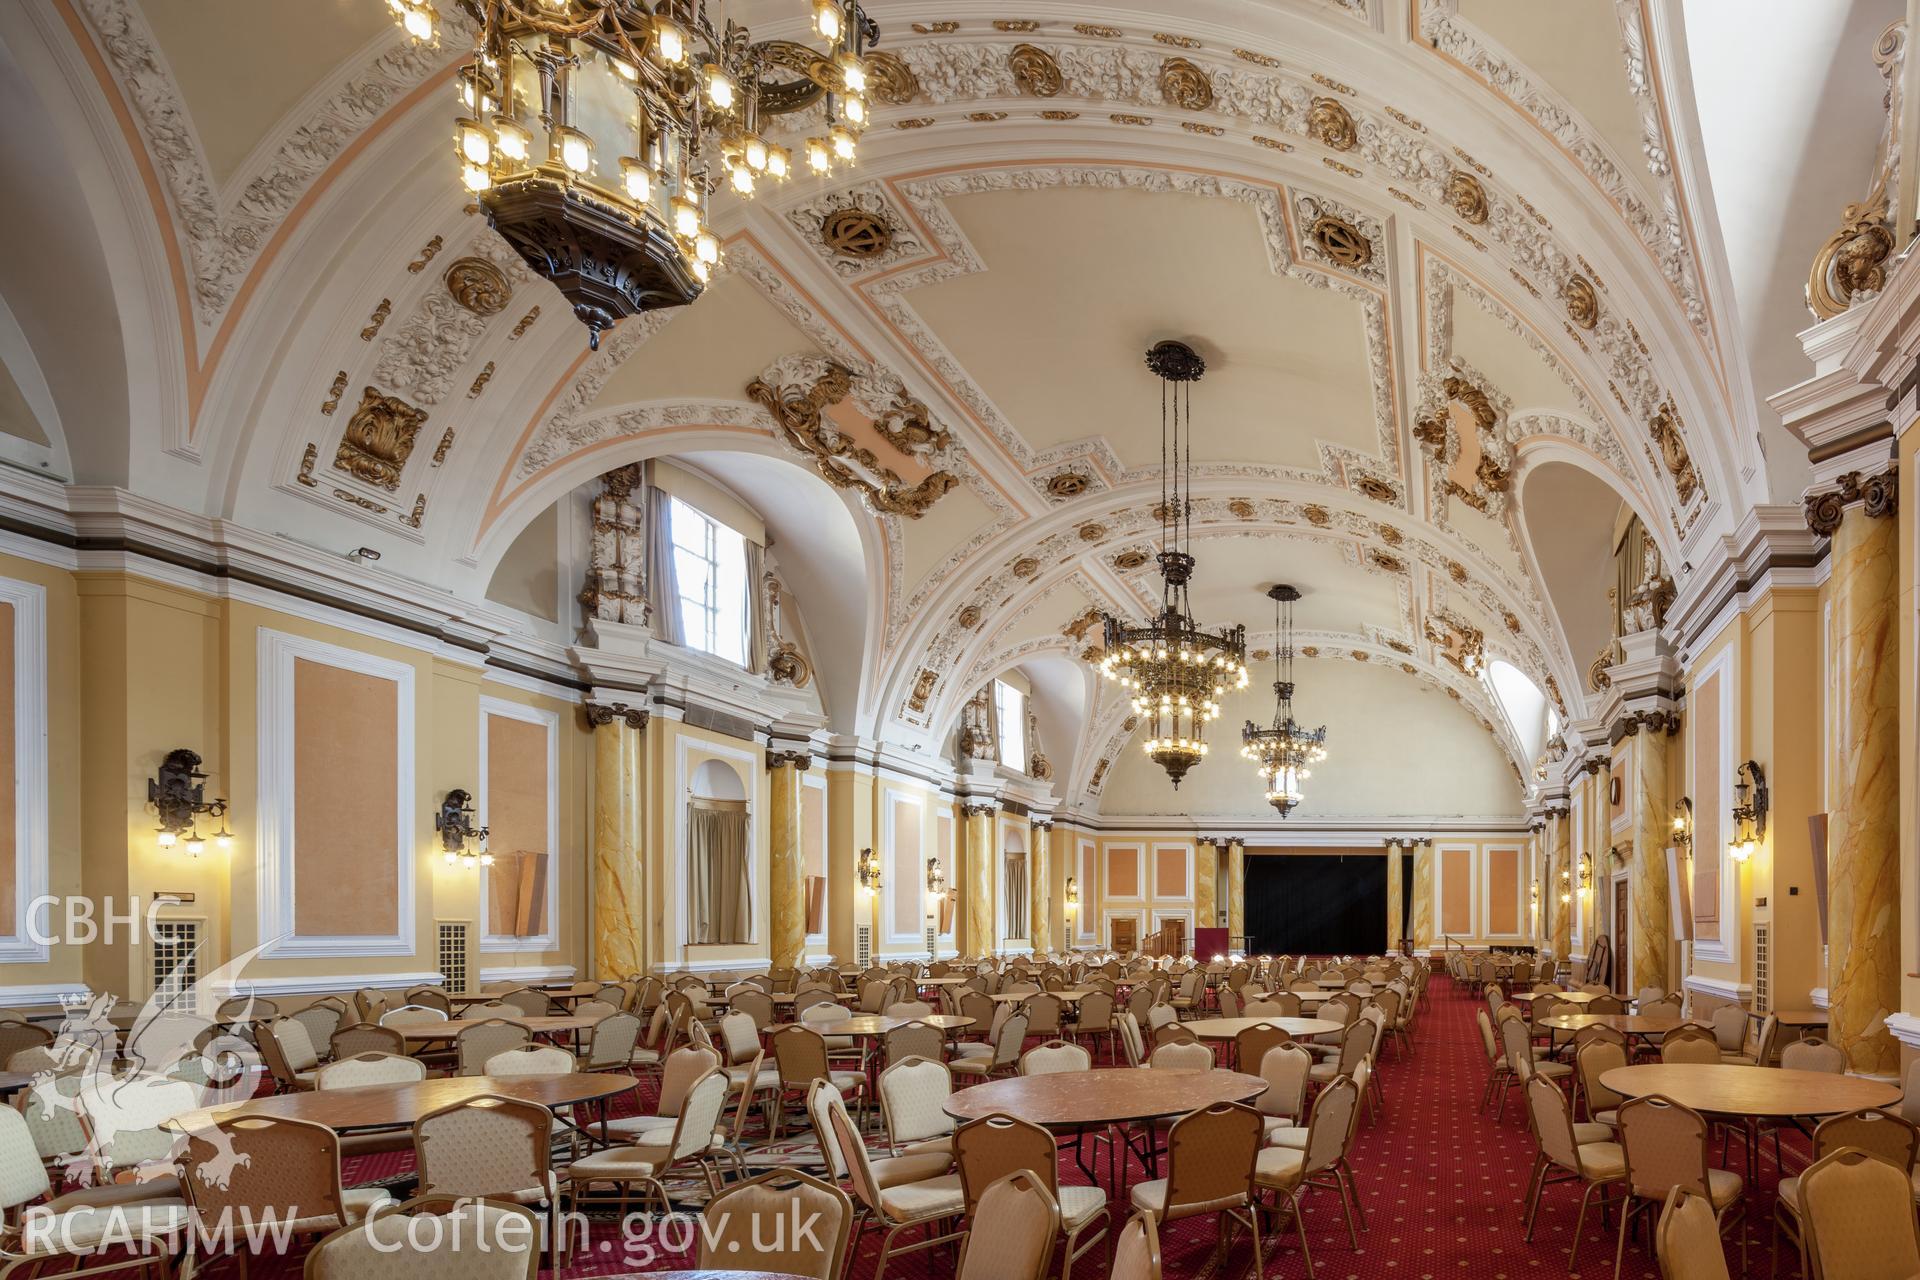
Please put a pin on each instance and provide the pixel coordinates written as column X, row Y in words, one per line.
column 593, row 133
column 1284, row 750
column 1175, row 671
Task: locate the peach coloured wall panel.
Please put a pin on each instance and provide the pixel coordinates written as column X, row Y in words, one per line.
column 1503, row 891
column 346, row 801
column 519, row 794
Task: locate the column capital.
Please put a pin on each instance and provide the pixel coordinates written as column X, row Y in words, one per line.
column 977, row 809
column 1667, row 722
column 800, row 760
column 1878, row 494
column 600, row 714
column 1040, row 824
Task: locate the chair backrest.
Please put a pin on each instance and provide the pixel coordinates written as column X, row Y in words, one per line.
column 411, row 1015
column 533, row 1004
column 1136, row 1252
column 1814, row 1054
column 820, row 1015
column 532, row 1060
column 1595, row 1058
column 471, row 1240
column 1858, row 1214
column 18, row 1035
column 783, row 1195
column 294, row 1043
column 1283, row 1004
column 677, row 1075
column 1690, row 1044
column 909, row 1009
column 1331, row 1123
column 800, row 1055
column 287, row 1171
column 1552, row 1123
column 1606, row 1004
column 1053, row 1057
column 53, row 1116
column 484, row 1041
column 1250, row 1044
column 1284, row 1067
column 23, row 1178
column 369, row 1003
column 1730, row 1028
column 1229, row 1002
column 1357, row 1042
column 1173, row 1033
column 369, row 1068
column 1763, row 1041
column 1018, row 1245
column 913, row 1040
column 1875, row 1132
column 1665, row 1145
column 321, row 1019
column 365, row 1037
column 913, row 1098
column 1160, row 1015
column 430, row 998
column 1130, row 1042
column 1687, row 1240
column 1189, row 1056
column 125, row 1119
column 1008, row 1039
column 484, row 1146
column 1095, row 1012
column 988, row 1149
column 1664, row 1008
column 614, row 1039
column 1043, row 1013
column 1210, row 1158
column 1517, row 1044
column 739, row 1037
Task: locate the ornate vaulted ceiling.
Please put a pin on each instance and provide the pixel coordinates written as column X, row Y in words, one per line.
column 1441, row 256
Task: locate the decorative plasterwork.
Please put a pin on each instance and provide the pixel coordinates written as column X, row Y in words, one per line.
column 422, row 359
column 224, row 232
column 1340, row 237
column 810, row 219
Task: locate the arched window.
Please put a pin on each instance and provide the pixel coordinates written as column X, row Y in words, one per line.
column 1529, row 714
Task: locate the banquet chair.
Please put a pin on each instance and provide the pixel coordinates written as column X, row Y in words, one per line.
column 684, row 1067
column 1130, row 1041
column 494, row 1148
column 757, row 1005
column 1043, row 1014
column 988, row 1149
column 430, row 998
column 1523, row 1062
column 366, row 1037
column 780, row 1195
column 1229, row 1002
column 909, row 1009
column 18, row 1035
column 1687, row 1241
column 1665, row 1145
column 1136, row 1253
column 530, row 1060
column 1173, row 1033
column 52, row 1114
column 913, row 1099
column 1311, row 1156
column 477, row 1045
column 913, row 1040
column 471, row 1239
column 369, row 1004
column 321, row 1019
column 1811, row 1053
column 1284, row 1068
column 1729, row 1024
column 1605, row 1004
column 613, row 1043
column 1594, row 1059
column 1007, row 1041
column 1211, row 1161
column 1182, row 1056
column 286, row 1176
column 800, row 1057
column 1858, row 1211
column 73, row 1225
column 1763, row 1043
column 288, row 1053
column 1356, row 1042
column 1250, row 1044
column 1690, row 1044
column 1053, row 1057
column 411, row 1015
column 899, row 1194
column 531, row 1004
column 1283, row 1004
column 1019, row 1243
column 1874, row 1132
column 371, row 1069
column 1568, row 1152
column 1093, row 1016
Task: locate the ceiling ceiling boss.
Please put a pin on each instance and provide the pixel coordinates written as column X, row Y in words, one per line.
column 593, row 133
column 1175, row 671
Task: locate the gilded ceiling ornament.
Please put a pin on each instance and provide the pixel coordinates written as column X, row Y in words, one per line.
column 1178, row 42
column 890, row 80
column 1056, row 114
column 1410, row 669
column 1377, row 489
column 914, row 122
column 1513, row 622
column 1341, row 241
column 1665, row 430
column 526, row 323
column 1086, row 620
column 969, row 616
column 1068, row 484
column 1035, row 71
column 1399, row 646
column 1337, row 167
column 1404, row 198
column 986, row 117
column 1092, row 532
column 1025, row 567
column 1098, row 32
column 1852, row 263
column 480, row 383
column 1471, row 238
column 308, row 458
column 1467, row 197
column 1386, row 560
column 1406, row 120
column 856, row 231
column 1130, row 560
column 935, row 28
column 1331, row 125
column 427, row 253
column 1260, row 655
column 1879, row 496
column 1597, row 678
column 441, row 450
column 1241, row 508
column 360, row 500
column 1583, row 303
column 1390, row 535
column 1026, row 25
column 413, row 518
column 1185, row 85
column 787, row 665
column 1099, row 772
column 379, row 439
column 479, row 284
column 1310, row 651
column 1121, row 117
column 338, row 389
column 1257, row 59
column 1272, row 144
column 1210, row 130
column 1317, row 516
column 923, row 684
column 1358, row 656
column 1456, row 571
column 378, row 318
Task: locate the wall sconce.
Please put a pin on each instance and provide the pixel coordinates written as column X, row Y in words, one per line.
column 1683, row 824
column 1566, row 886
column 178, row 794
column 1073, row 895
column 454, row 822
column 1533, row 893
column 1586, row 876
column 1749, row 811
column 936, row 878
column 867, row 873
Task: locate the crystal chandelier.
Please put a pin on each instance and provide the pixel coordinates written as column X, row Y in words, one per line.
column 1175, row 671
column 593, row 133
column 1283, row 751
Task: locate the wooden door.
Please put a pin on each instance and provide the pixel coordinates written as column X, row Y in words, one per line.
column 1622, row 903
column 1125, row 936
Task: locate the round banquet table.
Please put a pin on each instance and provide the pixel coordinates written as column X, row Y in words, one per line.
column 1228, row 1028
column 429, row 1031
column 874, row 1024
column 394, row 1106
column 708, row 1275
column 1066, row 997
column 1631, row 1024
column 1556, row 997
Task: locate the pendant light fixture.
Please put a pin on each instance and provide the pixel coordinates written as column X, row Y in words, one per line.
column 1175, row 671
column 1284, row 751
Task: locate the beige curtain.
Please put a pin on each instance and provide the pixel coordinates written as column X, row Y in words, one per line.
column 719, row 869
column 663, row 584
column 1013, row 887
column 756, row 607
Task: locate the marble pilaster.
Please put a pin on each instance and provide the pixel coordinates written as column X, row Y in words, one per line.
column 787, row 894
column 1652, row 931
column 1206, row 874
column 1039, row 886
column 620, row 897
column 1863, row 872
column 976, row 880
column 1422, row 896
column 1237, row 889
column 1560, row 890
column 1393, row 894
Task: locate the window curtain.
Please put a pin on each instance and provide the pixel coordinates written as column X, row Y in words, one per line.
column 721, row 897
column 756, row 606
column 663, row 584
column 1014, row 890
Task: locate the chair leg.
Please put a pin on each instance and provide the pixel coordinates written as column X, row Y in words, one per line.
column 1620, row 1249
column 1536, row 1185
column 1345, row 1172
column 1580, row 1222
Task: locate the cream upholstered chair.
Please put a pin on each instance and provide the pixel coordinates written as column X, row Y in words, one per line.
column 531, row 1004
column 411, row 1015
column 1665, row 1146
column 1690, row 1044
column 1284, row 1068
column 1687, row 1240
column 531, row 1060
column 988, row 1149
column 1093, row 1016
column 1522, row 1064
column 1568, row 1152
column 481, row 1043
column 1210, row 1169
column 125, row 1121
column 1875, row 1132
column 684, row 1066
column 909, row 1009
column 612, row 1045
column 287, row 1176
column 1665, row 1007
column 800, row 1055
column 900, row 1194
column 647, row 1165
column 1499, row 1076
column 1136, row 1253
column 21, row 1034
column 1172, row 1033
column 1013, row 1231
column 1054, row 1057
column 1356, row 1042
column 321, row 1019
column 913, row 1097
column 781, row 1195
column 53, row 1116
column 1250, row 1044
column 1729, row 1023
column 490, row 1147
column 1192, row 1056
column 1763, row 1043
column 1160, row 1015
column 1043, row 1012
column 366, row 1037
column 1314, row 1154
column 472, row 1240
column 1007, row 1039
column 1130, row 1042
column 1858, row 1212
column 1594, row 1059
column 75, row 1225
column 288, row 1051
column 1814, row 1054
column 370, row 1068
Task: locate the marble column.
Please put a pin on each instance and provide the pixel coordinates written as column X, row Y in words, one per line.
column 620, row 897
column 1393, row 894
column 1237, row 889
column 1039, row 886
column 976, row 879
column 1422, row 896
column 1559, row 889
column 1647, row 882
column 1206, row 873
column 1863, row 872
column 787, row 894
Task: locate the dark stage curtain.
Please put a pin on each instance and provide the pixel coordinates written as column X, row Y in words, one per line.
column 1406, row 897
column 1310, row 904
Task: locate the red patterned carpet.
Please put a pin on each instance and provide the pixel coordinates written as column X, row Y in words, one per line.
column 1440, row 1180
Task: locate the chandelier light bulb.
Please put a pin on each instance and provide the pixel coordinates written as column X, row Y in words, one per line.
column 701, row 271
column 669, row 41
column 686, row 218
column 856, row 109
column 706, row 248
column 165, row 839
column 853, row 74
column 742, row 179
column 638, row 180
column 195, row 845
column 576, row 150
column 755, row 152
column 719, row 88
column 417, row 22
column 476, row 146
column 842, row 143
column 826, row 19
column 474, row 177
column 779, row 162
column 512, row 140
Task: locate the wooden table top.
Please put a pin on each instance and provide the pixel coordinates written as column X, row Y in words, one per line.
column 1632, row 1024
column 949, row 981
column 1796, row 1017
column 1228, row 1028
column 1068, row 997
column 1305, row 997
column 454, row 1026
column 1108, row 1096
column 874, row 1024
column 1556, row 997
column 14, row 1081
column 706, row 1275
column 1333, row 984
column 1751, row 1091
column 383, row 1106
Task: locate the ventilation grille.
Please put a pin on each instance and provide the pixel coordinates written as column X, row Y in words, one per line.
column 176, row 963
column 863, row 946
column 1763, row 968
column 453, row 954
column 720, row 722
column 933, row 943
